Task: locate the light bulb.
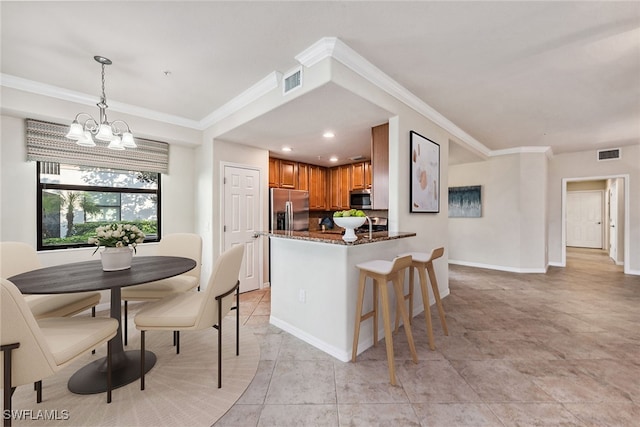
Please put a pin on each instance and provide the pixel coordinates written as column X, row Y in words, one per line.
column 115, row 144
column 86, row 140
column 128, row 141
column 105, row 133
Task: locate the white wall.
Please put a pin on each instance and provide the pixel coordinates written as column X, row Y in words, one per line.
column 522, row 208
column 18, row 195
column 510, row 235
column 583, row 164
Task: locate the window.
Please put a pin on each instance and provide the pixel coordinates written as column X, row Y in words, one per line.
column 74, row 200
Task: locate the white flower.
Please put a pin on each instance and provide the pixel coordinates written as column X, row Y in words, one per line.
column 117, row 235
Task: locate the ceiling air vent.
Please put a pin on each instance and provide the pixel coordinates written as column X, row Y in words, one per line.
column 292, row 80
column 612, row 154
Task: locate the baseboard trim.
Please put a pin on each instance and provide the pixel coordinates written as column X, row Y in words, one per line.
column 333, row 351
column 498, row 267
column 319, row 344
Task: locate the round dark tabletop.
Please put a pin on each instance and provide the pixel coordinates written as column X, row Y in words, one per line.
column 89, row 276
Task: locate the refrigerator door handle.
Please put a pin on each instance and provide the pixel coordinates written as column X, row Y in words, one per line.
column 288, row 216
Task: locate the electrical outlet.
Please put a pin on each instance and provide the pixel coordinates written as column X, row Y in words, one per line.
column 302, row 296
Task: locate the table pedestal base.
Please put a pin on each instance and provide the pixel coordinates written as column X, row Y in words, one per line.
column 92, row 378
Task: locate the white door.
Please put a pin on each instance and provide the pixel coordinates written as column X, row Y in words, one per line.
column 242, row 215
column 613, row 218
column 584, row 219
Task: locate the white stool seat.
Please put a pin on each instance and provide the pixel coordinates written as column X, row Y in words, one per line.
column 377, row 266
column 419, row 256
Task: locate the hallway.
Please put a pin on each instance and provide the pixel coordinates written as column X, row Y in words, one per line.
column 523, row 349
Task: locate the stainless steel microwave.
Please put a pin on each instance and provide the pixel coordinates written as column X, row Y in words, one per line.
column 360, row 199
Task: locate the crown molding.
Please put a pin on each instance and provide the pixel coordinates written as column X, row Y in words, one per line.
column 341, row 52
column 56, row 92
column 318, row 51
column 267, row 84
column 523, row 150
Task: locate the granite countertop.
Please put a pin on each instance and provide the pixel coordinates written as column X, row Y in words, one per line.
column 335, row 237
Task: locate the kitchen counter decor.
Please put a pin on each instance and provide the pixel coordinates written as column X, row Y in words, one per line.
column 349, row 224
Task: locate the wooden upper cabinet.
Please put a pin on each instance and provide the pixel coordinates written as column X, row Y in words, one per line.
column 380, row 166
column 283, row 173
column 288, row 174
column 367, row 175
column 303, row 176
column 361, row 176
column 339, row 183
column 274, row 172
column 317, row 187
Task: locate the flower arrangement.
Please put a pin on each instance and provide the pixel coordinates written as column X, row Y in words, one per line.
column 117, row 236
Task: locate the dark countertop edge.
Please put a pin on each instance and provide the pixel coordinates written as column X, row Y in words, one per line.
column 336, row 239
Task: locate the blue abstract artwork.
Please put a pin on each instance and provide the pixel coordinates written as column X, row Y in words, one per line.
column 465, row 202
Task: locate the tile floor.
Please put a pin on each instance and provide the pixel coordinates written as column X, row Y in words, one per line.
column 561, row 348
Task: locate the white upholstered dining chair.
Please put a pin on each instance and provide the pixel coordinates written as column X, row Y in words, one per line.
column 18, row 258
column 190, row 311
column 186, row 245
column 35, row 349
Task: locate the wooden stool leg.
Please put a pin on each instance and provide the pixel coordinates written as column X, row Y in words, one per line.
column 410, row 294
column 375, row 314
column 427, row 309
column 397, row 284
column 409, row 297
column 436, row 295
column 356, row 331
column 386, row 318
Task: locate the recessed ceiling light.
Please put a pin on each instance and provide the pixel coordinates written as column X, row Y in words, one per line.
column 328, row 134
column 333, row 159
column 286, row 148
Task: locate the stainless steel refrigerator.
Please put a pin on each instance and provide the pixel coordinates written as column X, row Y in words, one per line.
column 289, row 209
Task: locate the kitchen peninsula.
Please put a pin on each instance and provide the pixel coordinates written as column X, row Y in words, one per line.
column 314, row 284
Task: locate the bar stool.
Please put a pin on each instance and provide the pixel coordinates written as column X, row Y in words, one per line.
column 423, row 262
column 382, row 272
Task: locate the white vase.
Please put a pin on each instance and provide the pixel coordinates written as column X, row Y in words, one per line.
column 114, row 259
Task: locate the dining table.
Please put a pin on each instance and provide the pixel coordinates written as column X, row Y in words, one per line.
column 88, row 276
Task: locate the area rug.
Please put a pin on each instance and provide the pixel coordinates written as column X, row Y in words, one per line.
column 180, row 390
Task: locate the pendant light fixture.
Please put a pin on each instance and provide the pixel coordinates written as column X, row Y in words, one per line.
column 116, row 133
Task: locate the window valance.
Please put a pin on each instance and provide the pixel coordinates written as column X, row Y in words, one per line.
column 46, row 142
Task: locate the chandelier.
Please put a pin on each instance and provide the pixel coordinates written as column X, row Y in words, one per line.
column 116, row 133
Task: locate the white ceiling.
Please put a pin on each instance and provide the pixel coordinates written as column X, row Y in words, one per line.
column 510, row 74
